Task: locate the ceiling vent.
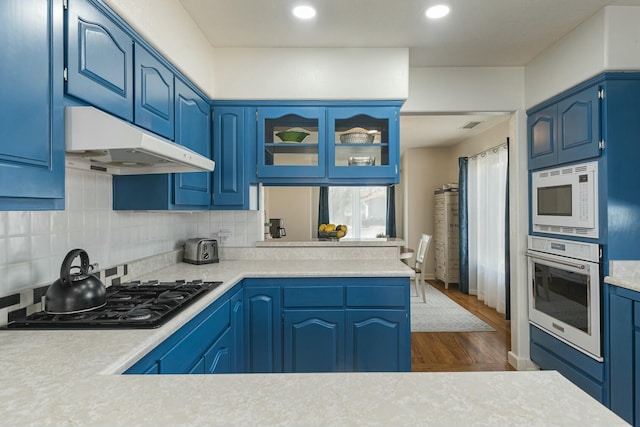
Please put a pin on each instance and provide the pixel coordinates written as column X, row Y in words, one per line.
column 470, row 125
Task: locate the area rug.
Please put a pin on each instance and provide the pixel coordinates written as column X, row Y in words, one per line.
column 441, row 314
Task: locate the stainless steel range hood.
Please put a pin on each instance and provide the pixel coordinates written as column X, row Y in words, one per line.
column 99, row 141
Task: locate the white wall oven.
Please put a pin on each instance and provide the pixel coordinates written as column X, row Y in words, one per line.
column 564, row 200
column 565, row 290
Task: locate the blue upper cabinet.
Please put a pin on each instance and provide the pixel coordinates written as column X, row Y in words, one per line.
column 363, row 144
column 32, row 124
column 154, row 102
column 230, row 186
column 579, row 126
column 328, row 143
column 291, row 143
column 192, row 130
column 567, row 129
column 542, row 138
column 99, row 60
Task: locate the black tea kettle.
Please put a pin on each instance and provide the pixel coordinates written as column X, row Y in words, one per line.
column 77, row 292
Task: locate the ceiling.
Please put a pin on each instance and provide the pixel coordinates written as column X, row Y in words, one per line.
column 476, row 33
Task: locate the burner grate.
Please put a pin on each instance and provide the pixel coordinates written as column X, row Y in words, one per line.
column 133, row 304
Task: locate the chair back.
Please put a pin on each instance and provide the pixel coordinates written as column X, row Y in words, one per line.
column 423, row 247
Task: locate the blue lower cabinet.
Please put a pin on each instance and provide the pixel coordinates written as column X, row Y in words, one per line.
column 314, row 340
column 218, row 360
column 185, row 351
column 378, row 341
column 263, row 331
column 549, row 353
column 237, row 332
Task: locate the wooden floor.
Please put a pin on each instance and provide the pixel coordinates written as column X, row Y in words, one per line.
column 463, row 351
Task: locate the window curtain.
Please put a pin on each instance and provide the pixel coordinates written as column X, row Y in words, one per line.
column 487, row 185
column 463, row 286
column 391, row 211
column 323, row 208
column 507, row 252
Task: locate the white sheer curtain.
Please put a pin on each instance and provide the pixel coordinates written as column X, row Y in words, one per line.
column 487, row 196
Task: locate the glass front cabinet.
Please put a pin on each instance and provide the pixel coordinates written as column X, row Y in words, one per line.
column 336, row 143
column 363, row 143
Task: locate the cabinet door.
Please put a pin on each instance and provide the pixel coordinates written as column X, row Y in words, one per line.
column 193, row 132
column 263, row 345
column 218, row 360
column 363, row 143
column 287, row 155
column 542, row 137
column 237, row 332
column 230, row 189
column 579, row 126
column 153, row 109
column 378, row 341
column 313, row 340
column 99, row 60
column 32, row 119
column 621, row 356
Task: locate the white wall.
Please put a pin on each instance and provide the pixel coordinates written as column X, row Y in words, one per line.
column 610, row 40
column 167, row 26
column 34, row 243
column 465, row 89
column 296, row 205
column 313, row 73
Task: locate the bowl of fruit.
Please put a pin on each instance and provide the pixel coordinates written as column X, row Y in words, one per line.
column 331, row 231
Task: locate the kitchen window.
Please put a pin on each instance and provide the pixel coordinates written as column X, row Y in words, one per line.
column 362, row 209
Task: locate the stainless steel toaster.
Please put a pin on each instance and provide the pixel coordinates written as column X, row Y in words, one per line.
column 200, row 251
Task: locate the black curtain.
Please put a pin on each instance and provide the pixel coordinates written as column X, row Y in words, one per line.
column 463, row 225
column 391, row 211
column 323, row 208
column 507, row 250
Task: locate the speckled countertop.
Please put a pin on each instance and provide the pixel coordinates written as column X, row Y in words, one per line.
column 344, row 242
column 69, row 377
column 625, row 274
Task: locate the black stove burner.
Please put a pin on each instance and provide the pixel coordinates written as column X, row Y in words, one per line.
column 129, row 305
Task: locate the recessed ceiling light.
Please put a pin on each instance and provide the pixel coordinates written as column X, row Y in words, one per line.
column 438, row 11
column 304, row 12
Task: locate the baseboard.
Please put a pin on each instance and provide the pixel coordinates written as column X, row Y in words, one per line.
column 521, row 363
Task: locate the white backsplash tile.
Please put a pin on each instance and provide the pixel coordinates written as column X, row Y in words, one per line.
column 33, row 244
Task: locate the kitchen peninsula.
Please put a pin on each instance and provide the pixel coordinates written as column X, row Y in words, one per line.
column 72, row 377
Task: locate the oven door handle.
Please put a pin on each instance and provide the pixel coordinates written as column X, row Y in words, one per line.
column 576, row 265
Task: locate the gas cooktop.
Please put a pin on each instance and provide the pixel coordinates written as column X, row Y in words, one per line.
column 130, row 305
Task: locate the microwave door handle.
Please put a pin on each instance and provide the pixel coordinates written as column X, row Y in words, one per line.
column 575, row 265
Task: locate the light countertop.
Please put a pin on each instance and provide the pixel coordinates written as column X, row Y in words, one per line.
column 71, row 377
column 625, row 274
column 344, row 242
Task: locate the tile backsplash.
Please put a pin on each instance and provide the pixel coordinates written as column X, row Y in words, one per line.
column 34, row 243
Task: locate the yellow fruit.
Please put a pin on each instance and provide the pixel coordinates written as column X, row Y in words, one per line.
column 322, row 227
column 330, row 227
column 344, row 228
column 340, row 234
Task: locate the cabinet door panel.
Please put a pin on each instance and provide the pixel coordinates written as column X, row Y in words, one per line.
column 382, row 124
column 218, row 359
column 313, row 341
column 542, row 138
column 579, row 121
column 237, row 332
column 193, row 132
column 378, row 341
column 32, row 124
column 621, row 356
column 229, row 185
column 154, row 106
column 263, row 345
column 99, row 60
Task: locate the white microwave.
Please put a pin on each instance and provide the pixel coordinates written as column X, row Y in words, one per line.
column 564, row 200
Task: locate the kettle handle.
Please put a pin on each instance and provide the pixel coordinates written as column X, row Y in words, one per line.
column 65, row 269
